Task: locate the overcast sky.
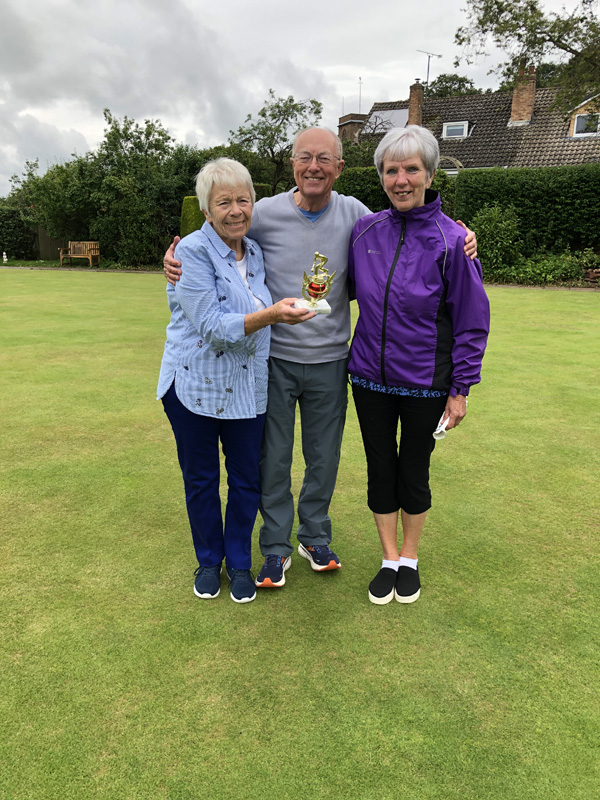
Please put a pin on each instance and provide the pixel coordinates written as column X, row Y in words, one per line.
column 201, row 67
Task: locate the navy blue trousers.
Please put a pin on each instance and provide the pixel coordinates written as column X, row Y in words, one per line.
column 197, row 439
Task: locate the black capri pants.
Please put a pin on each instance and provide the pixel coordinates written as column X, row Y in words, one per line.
column 397, row 475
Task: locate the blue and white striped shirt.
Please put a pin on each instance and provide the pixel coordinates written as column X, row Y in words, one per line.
column 218, row 370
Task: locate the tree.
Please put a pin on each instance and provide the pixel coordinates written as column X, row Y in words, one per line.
column 527, row 33
column 133, row 198
column 449, row 84
column 547, row 75
column 360, row 153
column 271, row 134
column 60, row 201
column 127, row 194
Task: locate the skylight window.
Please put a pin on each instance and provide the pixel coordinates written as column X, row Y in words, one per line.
column 455, row 130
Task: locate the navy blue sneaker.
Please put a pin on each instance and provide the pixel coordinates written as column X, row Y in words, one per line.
column 208, row 583
column 320, row 556
column 242, row 589
column 408, row 585
column 272, row 572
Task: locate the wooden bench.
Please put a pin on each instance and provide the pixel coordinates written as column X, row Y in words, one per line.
column 89, row 250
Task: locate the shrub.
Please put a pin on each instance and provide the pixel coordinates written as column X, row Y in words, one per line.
column 446, row 186
column 498, row 239
column 547, row 268
column 17, row 239
column 363, row 183
column 557, row 207
column 262, row 190
column 192, row 218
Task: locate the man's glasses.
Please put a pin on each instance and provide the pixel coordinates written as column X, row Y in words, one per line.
column 326, row 159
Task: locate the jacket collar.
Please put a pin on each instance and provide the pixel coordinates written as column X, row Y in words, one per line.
column 422, row 214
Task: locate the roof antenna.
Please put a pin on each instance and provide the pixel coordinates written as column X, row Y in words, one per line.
column 429, row 57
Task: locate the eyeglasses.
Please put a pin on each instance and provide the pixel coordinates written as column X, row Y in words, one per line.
column 326, row 159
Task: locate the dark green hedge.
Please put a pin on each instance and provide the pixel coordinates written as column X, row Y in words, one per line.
column 262, row 190
column 17, row 239
column 192, row 219
column 556, row 207
column 364, row 184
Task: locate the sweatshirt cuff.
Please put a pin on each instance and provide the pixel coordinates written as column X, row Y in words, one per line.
column 458, row 389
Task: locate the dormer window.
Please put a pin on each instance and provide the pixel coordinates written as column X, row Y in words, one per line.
column 586, row 125
column 455, row 130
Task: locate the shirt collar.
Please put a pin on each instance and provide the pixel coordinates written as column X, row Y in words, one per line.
column 223, row 249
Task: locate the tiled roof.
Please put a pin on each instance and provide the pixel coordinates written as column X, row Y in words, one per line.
column 491, row 143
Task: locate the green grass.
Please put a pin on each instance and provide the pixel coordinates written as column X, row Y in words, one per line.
column 116, row 682
column 80, row 264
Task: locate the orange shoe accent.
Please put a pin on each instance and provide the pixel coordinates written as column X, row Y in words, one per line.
column 332, row 564
column 268, row 584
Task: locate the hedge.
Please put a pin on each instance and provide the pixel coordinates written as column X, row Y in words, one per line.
column 364, row 184
column 192, row 218
column 556, row 207
column 17, row 239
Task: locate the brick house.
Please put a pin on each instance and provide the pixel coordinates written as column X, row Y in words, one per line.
column 500, row 129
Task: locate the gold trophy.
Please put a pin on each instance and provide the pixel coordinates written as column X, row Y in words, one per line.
column 316, row 287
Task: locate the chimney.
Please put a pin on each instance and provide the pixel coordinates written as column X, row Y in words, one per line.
column 350, row 125
column 523, row 99
column 415, row 104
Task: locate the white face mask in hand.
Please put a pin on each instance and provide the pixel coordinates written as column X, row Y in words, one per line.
column 440, row 431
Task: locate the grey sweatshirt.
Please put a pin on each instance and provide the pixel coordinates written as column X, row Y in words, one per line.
column 289, row 242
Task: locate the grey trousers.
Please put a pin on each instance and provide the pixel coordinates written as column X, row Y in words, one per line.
column 322, row 395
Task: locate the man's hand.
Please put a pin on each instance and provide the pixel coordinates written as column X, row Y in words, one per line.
column 172, row 268
column 470, row 241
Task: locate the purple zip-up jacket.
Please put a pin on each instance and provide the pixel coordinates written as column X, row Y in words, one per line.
column 424, row 314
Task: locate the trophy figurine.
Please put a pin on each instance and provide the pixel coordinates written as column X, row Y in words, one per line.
column 316, row 286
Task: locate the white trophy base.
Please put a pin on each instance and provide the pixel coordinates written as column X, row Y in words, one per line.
column 322, row 306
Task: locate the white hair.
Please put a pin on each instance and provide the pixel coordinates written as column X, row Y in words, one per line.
column 401, row 143
column 226, row 173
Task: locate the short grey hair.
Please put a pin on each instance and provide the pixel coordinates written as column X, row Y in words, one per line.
column 401, row 143
column 226, row 173
column 327, row 130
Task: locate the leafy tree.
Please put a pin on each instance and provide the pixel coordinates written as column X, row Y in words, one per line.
column 135, row 193
column 270, row 135
column 16, row 237
column 128, row 194
column 526, row 32
column 547, row 74
column 61, row 200
column 360, row 153
column 449, row 84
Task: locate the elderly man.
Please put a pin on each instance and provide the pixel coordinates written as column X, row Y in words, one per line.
column 307, row 362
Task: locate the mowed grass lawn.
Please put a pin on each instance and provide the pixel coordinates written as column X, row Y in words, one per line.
column 117, row 682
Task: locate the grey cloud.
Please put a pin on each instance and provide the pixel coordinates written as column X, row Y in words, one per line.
column 198, row 67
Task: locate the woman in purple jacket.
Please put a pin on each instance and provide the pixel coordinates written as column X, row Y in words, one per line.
column 417, row 348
